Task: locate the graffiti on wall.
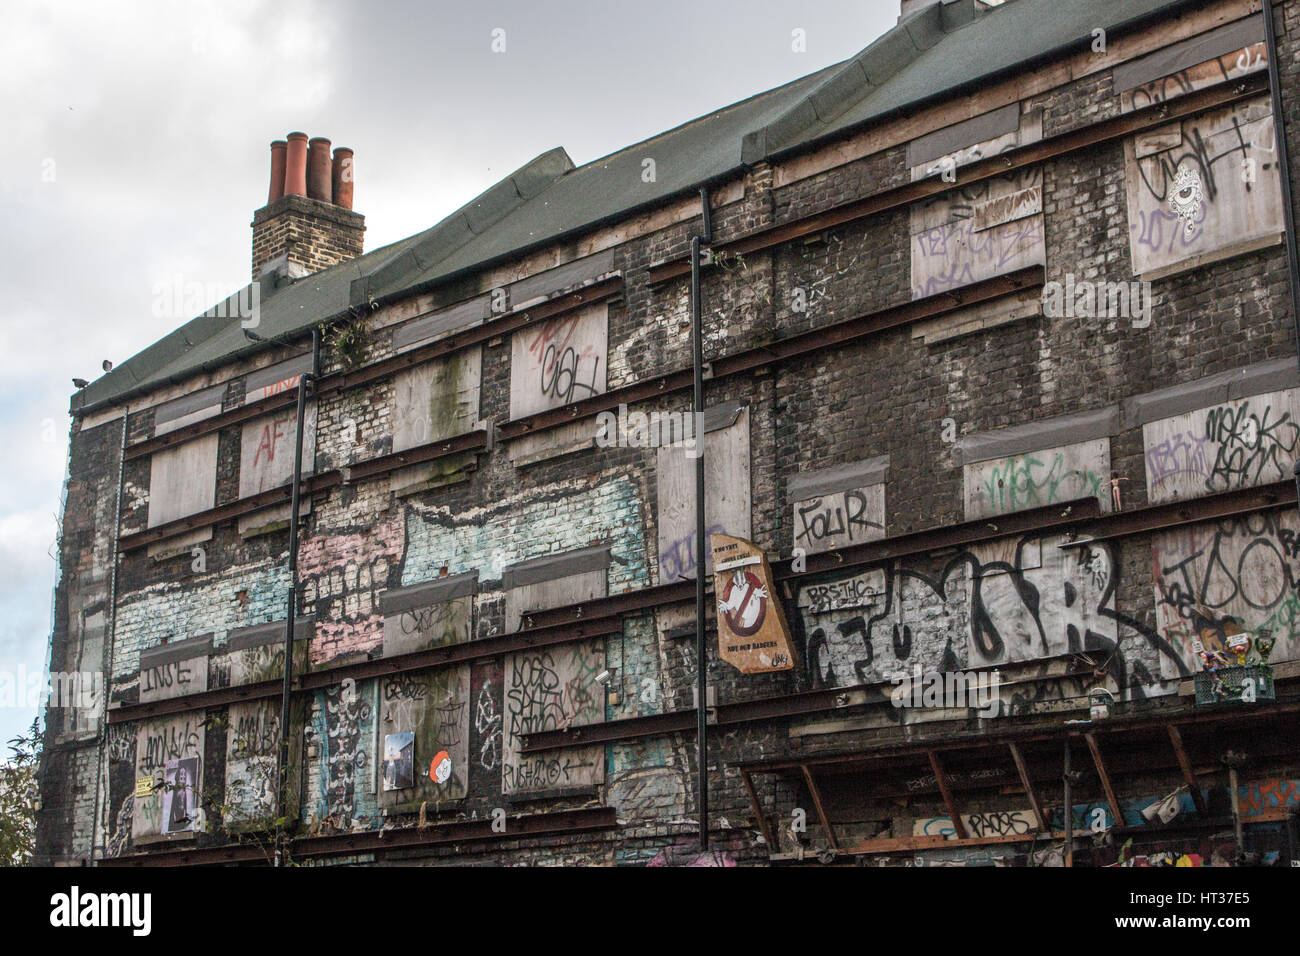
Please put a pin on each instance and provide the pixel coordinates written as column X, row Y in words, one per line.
column 168, row 775
column 1238, row 444
column 1222, row 578
column 340, row 576
column 552, row 689
column 977, row 232
column 1002, row 485
column 1220, row 69
column 558, row 361
column 1007, row 601
column 840, row 519
column 1202, row 185
column 434, row 707
column 346, row 725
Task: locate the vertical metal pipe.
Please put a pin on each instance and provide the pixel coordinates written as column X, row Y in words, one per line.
column 1236, row 810
column 291, row 615
column 1284, row 168
column 701, row 649
column 1068, row 809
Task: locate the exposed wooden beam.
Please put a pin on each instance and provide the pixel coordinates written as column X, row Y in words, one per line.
column 817, row 802
column 1100, row 764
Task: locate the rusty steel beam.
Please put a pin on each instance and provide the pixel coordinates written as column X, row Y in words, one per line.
column 380, row 841
column 817, row 803
column 507, row 323
column 1095, row 749
column 469, row 441
column 762, row 356
column 1194, row 785
column 941, row 778
column 466, row 831
column 226, row 512
column 264, row 406
column 1028, row 785
column 758, row 810
column 465, row 651
column 191, row 856
column 1052, row 147
column 616, row 605
column 1043, row 732
column 339, row 381
column 220, row 697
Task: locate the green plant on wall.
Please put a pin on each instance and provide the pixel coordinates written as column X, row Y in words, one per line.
column 346, row 344
column 18, row 798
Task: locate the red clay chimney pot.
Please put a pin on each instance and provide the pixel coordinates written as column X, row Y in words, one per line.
column 318, row 169
column 295, row 171
column 343, row 177
column 278, row 149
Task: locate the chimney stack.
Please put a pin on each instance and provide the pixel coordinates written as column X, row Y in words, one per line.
column 307, row 223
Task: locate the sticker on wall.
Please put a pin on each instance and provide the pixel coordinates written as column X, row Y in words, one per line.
column 752, row 632
column 440, row 768
column 144, row 786
column 399, row 761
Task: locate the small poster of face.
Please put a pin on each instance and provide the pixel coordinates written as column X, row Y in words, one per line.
column 180, row 795
column 399, row 761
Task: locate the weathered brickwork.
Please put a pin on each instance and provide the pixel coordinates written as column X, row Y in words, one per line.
column 1057, row 615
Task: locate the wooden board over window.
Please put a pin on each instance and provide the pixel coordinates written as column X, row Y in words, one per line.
column 726, row 491
column 437, row 400
column 183, row 480
column 560, row 361
column 1203, row 189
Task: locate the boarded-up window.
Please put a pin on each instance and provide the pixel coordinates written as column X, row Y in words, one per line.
column 174, row 670
column 1219, row 56
column 969, row 141
column 554, row 581
column 1033, row 479
column 252, row 750
column 168, row 778
column 255, row 654
column 187, row 410
column 1203, row 189
column 183, row 480
column 275, row 379
column 839, row 506
column 549, row 689
column 977, row 232
column 437, row 400
column 559, row 361
column 428, row 615
column 726, row 490
column 1038, row 463
column 267, row 447
column 424, row 739
column 1225, row 578
column 1235, row 443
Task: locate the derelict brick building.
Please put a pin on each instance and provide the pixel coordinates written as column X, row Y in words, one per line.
column 1002, row 375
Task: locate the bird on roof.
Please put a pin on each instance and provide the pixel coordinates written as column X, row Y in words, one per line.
column 80, row 382
column 107, row 365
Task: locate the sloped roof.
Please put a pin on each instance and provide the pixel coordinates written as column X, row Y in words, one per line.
column 935, row 51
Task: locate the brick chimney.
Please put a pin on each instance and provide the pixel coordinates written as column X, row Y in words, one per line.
column 307, row 223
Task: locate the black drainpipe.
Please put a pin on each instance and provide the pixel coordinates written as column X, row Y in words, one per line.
column 701, row 647
column 1284, row 173
column 291, row 618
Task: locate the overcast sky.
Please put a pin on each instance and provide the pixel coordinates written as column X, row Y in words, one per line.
column 137, row 150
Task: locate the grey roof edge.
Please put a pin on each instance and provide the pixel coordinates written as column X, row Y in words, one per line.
column 552, row 566
column 870, row 68
column 270, row 632
column 760, row 147
column 845, row 477
column 1271, row 376
column 185, row 650
column 1037, row 436
column 480, row 213
column 1197, row 49
column 426, row 593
